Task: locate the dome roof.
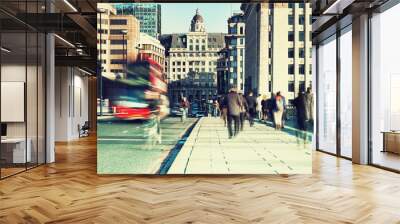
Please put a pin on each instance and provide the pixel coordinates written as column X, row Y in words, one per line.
column 198, row 17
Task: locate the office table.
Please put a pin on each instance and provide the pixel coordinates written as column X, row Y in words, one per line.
column 17, row 149
column 391, row 141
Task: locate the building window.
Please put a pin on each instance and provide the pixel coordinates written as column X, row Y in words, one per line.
column 301, row 36
column 241, row 30
column 301, row 19
column 118, row 42
column 302, row 86
column 301, row 52
column 290, row 19
column 117, row 61
column 116, row 32
column 118, row 22
column 291, row 69
column 291, row 86
column 118, row 51
column 291, row 53
column 301, row 69
column 291, row 36
column 301, row 5
column 291, row 5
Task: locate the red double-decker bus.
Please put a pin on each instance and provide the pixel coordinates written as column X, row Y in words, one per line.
column 141, row 95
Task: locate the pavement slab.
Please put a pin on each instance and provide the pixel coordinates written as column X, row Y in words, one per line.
column 256, row 150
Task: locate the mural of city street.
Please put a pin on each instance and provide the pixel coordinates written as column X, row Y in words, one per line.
column 207, row 88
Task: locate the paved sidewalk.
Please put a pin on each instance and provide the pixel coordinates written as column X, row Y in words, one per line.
column 256, row 150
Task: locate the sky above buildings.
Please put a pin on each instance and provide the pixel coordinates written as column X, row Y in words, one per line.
column 176, row 17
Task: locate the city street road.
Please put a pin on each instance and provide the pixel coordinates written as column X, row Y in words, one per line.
column 136, row 147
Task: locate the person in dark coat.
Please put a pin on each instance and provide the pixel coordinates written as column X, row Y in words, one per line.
column 271, row 108
column 264, row 108
column 300, row 102
column 252, row 106
column 234, row 104
column 224, row 109
column 243, row 110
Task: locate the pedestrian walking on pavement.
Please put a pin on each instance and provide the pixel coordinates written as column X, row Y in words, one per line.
column 259, row 107
column 279, row 110
column 300, row 103
column 234, row 105
column 215, row 108
column 310, row 107
column 271, row 107
column 264, row 108
column 243, row 110
column 224, row 109
column 184, row 108
column 252, row 105
column 284, row 114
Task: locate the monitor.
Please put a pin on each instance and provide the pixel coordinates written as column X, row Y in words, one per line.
column 3, row 129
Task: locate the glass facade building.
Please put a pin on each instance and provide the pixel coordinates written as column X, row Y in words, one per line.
column 149, row 15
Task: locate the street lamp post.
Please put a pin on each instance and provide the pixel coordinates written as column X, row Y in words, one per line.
column 124, row 51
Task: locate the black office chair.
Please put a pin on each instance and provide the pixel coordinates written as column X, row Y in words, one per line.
column 84, row 130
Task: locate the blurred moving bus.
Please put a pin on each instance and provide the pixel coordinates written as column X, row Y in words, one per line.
column 141, row 95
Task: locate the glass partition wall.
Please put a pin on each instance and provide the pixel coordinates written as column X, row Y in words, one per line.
column 385, row 89
column 327, row 95
column 22, row 77
column 334, row 84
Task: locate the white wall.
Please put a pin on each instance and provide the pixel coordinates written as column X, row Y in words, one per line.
column 71, row 102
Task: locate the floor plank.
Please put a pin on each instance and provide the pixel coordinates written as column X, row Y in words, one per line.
column 70, row 191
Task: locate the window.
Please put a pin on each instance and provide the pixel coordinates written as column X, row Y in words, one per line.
column 290, row 5
column 301, row 19
column 290, row 19
column 118, row 42
column 291, row 86
column 102, row 31
column 291, row 69
column 301, row 69
column 117, row 61
column 327, row 95
column 118, row 51
column 291, row 53
column 346, row 93
column 302, row 86
column 118, row 22
column 301, row 53
column 301, row 36
column 241, row 30
column 290, row 36
column 116, row 32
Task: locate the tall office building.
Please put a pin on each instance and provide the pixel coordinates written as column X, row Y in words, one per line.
column 278, row 48
column 195, row 51
column 235, row 54
column 118, row 39
column 149, row 15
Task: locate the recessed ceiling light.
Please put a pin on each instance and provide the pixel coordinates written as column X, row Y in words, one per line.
column 64, row 40
column 70, row 5
column 5, row 50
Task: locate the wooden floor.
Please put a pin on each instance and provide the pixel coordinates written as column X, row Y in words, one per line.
column 70, row 191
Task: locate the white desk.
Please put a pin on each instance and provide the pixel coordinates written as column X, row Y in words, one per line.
column 19, row 155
